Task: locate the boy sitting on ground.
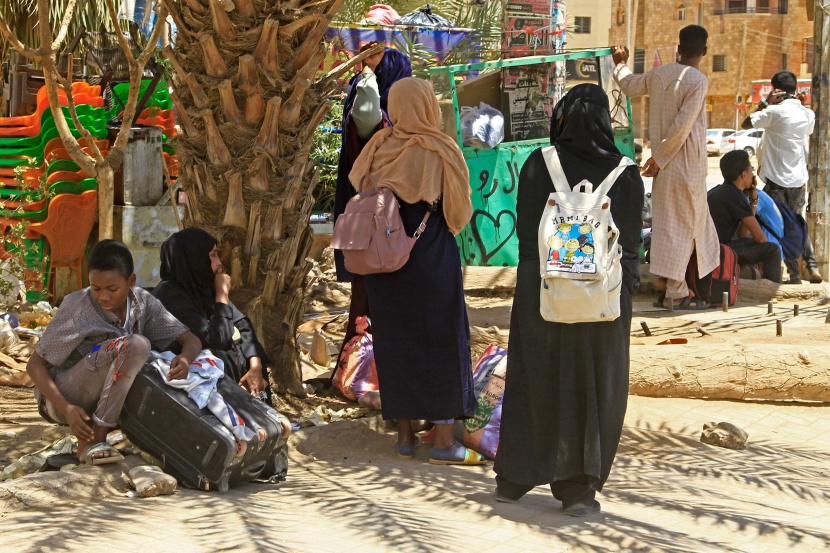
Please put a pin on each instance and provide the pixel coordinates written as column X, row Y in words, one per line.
column 732, row 207
column 98, row 341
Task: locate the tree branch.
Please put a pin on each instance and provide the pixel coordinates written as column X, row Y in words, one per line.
column 64, row 28
column 125, row 46
column 73, row 112
column 47, row 61
column 136, row 71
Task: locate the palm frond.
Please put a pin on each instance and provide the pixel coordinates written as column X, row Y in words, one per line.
column 21, row 17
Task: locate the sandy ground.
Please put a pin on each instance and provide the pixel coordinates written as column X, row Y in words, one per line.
column 347, row 490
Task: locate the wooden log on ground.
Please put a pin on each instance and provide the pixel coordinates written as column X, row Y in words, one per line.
column 731, row 370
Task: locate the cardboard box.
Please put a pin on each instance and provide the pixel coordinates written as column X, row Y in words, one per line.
column 522, row 39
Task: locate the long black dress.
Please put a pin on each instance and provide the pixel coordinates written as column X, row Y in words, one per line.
column 567, row 384
column 420, row 328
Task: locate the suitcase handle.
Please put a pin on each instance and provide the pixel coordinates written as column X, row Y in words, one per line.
column 254, row 470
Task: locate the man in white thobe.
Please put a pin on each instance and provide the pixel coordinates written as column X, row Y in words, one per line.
column 681, row 223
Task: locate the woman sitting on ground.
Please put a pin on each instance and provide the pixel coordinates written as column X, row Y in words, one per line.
column 195, row 289
column 419, row 319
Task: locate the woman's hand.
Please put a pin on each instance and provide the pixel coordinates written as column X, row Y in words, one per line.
column 222, row 284
column 77, row 419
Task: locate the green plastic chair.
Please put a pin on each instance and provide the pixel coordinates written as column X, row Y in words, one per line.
column 160, row 97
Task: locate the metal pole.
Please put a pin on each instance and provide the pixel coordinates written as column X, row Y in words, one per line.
column 819, row 161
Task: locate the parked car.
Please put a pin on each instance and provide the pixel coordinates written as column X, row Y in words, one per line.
column 714, row 140
column 748, row 141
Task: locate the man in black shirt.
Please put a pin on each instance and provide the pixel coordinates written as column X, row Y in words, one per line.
column 732, row 207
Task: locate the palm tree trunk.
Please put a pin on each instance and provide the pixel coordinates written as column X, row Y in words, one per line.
column 248, row 103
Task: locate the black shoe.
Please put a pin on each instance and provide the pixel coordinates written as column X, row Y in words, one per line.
column 582, row 509
column 793, row 280
column 503, row 498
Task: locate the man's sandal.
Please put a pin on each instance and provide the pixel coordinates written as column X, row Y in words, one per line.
column 93, row 455
column 456, row 455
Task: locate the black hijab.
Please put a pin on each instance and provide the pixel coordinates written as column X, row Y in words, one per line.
column 185, row 259
column 581, row 125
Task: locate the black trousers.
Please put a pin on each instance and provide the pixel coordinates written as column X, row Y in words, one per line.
column 796, row 199
column 750, row 253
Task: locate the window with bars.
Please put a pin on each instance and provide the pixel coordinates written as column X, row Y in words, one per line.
column 582, row 25
column 719, row 63
column 639, row 60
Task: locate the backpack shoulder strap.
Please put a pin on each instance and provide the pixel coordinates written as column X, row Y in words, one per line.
column 612, row 177
column 557, row 175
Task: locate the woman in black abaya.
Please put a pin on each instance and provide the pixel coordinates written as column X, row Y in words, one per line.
column 567, row 384
column 195, row 289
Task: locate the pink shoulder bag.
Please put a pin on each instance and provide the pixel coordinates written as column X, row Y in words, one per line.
column 370, row 232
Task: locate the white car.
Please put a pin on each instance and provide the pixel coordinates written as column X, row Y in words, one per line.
column 748, row 141
column 714, row 140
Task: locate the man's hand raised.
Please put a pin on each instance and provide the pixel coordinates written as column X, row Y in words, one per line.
column 619, row 54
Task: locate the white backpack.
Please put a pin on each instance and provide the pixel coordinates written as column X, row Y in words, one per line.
column 579, row 252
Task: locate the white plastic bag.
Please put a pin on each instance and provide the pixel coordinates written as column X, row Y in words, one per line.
column 482, row 127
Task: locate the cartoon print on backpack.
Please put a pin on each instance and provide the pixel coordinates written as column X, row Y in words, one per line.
column 572, row 249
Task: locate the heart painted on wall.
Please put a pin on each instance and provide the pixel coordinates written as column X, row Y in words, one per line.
column 496, row 224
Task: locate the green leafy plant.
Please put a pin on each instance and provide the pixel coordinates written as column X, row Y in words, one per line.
column 326, row 152
column 21, row 259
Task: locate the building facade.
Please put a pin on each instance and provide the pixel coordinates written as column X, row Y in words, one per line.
column 749, row 40
column 589, row 22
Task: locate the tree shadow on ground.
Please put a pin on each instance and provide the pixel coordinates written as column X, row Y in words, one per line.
column 346, row 487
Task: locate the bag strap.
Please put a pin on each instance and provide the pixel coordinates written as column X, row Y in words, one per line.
column 363, row 180
column 560, row 181
column 608, row 181
column 422, row 227
column 557, row 175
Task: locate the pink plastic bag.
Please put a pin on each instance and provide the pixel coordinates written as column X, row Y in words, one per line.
column 383, row 14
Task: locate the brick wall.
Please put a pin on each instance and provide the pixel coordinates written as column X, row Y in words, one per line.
column 769, row 37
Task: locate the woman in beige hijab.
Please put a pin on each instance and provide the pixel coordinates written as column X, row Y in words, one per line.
column 419, row 319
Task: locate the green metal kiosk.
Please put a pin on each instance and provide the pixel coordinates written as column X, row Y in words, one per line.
column 489, row 240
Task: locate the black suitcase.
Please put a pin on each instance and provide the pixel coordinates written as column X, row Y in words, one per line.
column 192, row 444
